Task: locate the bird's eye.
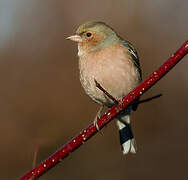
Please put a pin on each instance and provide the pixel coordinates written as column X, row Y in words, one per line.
column 88, row 34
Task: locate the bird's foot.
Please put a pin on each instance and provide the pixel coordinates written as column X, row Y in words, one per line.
column 97, row 117
column 95, row 123
column 120, row 103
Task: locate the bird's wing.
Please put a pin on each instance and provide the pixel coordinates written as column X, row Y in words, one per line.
column 135, row 58
column 134, row 55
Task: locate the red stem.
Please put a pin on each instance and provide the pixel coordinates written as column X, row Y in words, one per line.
column 84, row 135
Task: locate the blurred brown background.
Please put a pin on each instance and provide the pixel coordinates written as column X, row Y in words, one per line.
column 42, row 101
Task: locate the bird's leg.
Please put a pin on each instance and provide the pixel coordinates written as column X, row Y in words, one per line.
column 97, row 117
column 106, row 93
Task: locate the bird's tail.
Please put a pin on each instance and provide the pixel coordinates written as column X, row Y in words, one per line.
column 127, row 140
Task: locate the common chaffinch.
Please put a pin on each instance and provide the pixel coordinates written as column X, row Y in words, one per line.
column 105, row 58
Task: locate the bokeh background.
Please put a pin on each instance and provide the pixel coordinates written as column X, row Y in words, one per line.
column 43, row 104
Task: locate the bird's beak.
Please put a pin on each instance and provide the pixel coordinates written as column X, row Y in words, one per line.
column 75, row 38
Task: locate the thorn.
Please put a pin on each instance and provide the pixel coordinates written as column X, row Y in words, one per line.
column 149, row 99
column 36, row 148
column 105, row 92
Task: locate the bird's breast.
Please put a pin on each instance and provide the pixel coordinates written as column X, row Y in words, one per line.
column 112, row 68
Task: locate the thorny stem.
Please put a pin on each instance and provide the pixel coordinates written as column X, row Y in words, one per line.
column 87, row 133
column 149, row 99
column 117, row 102
column 105, row 92
column 36, row 148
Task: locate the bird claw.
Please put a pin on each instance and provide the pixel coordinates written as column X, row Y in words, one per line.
column 95, row 123
column 97, row 117
column 120, row 103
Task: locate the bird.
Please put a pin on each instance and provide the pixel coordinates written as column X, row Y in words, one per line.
column 112, row 62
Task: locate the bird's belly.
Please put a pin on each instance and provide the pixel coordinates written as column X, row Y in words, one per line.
column 92, row 91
